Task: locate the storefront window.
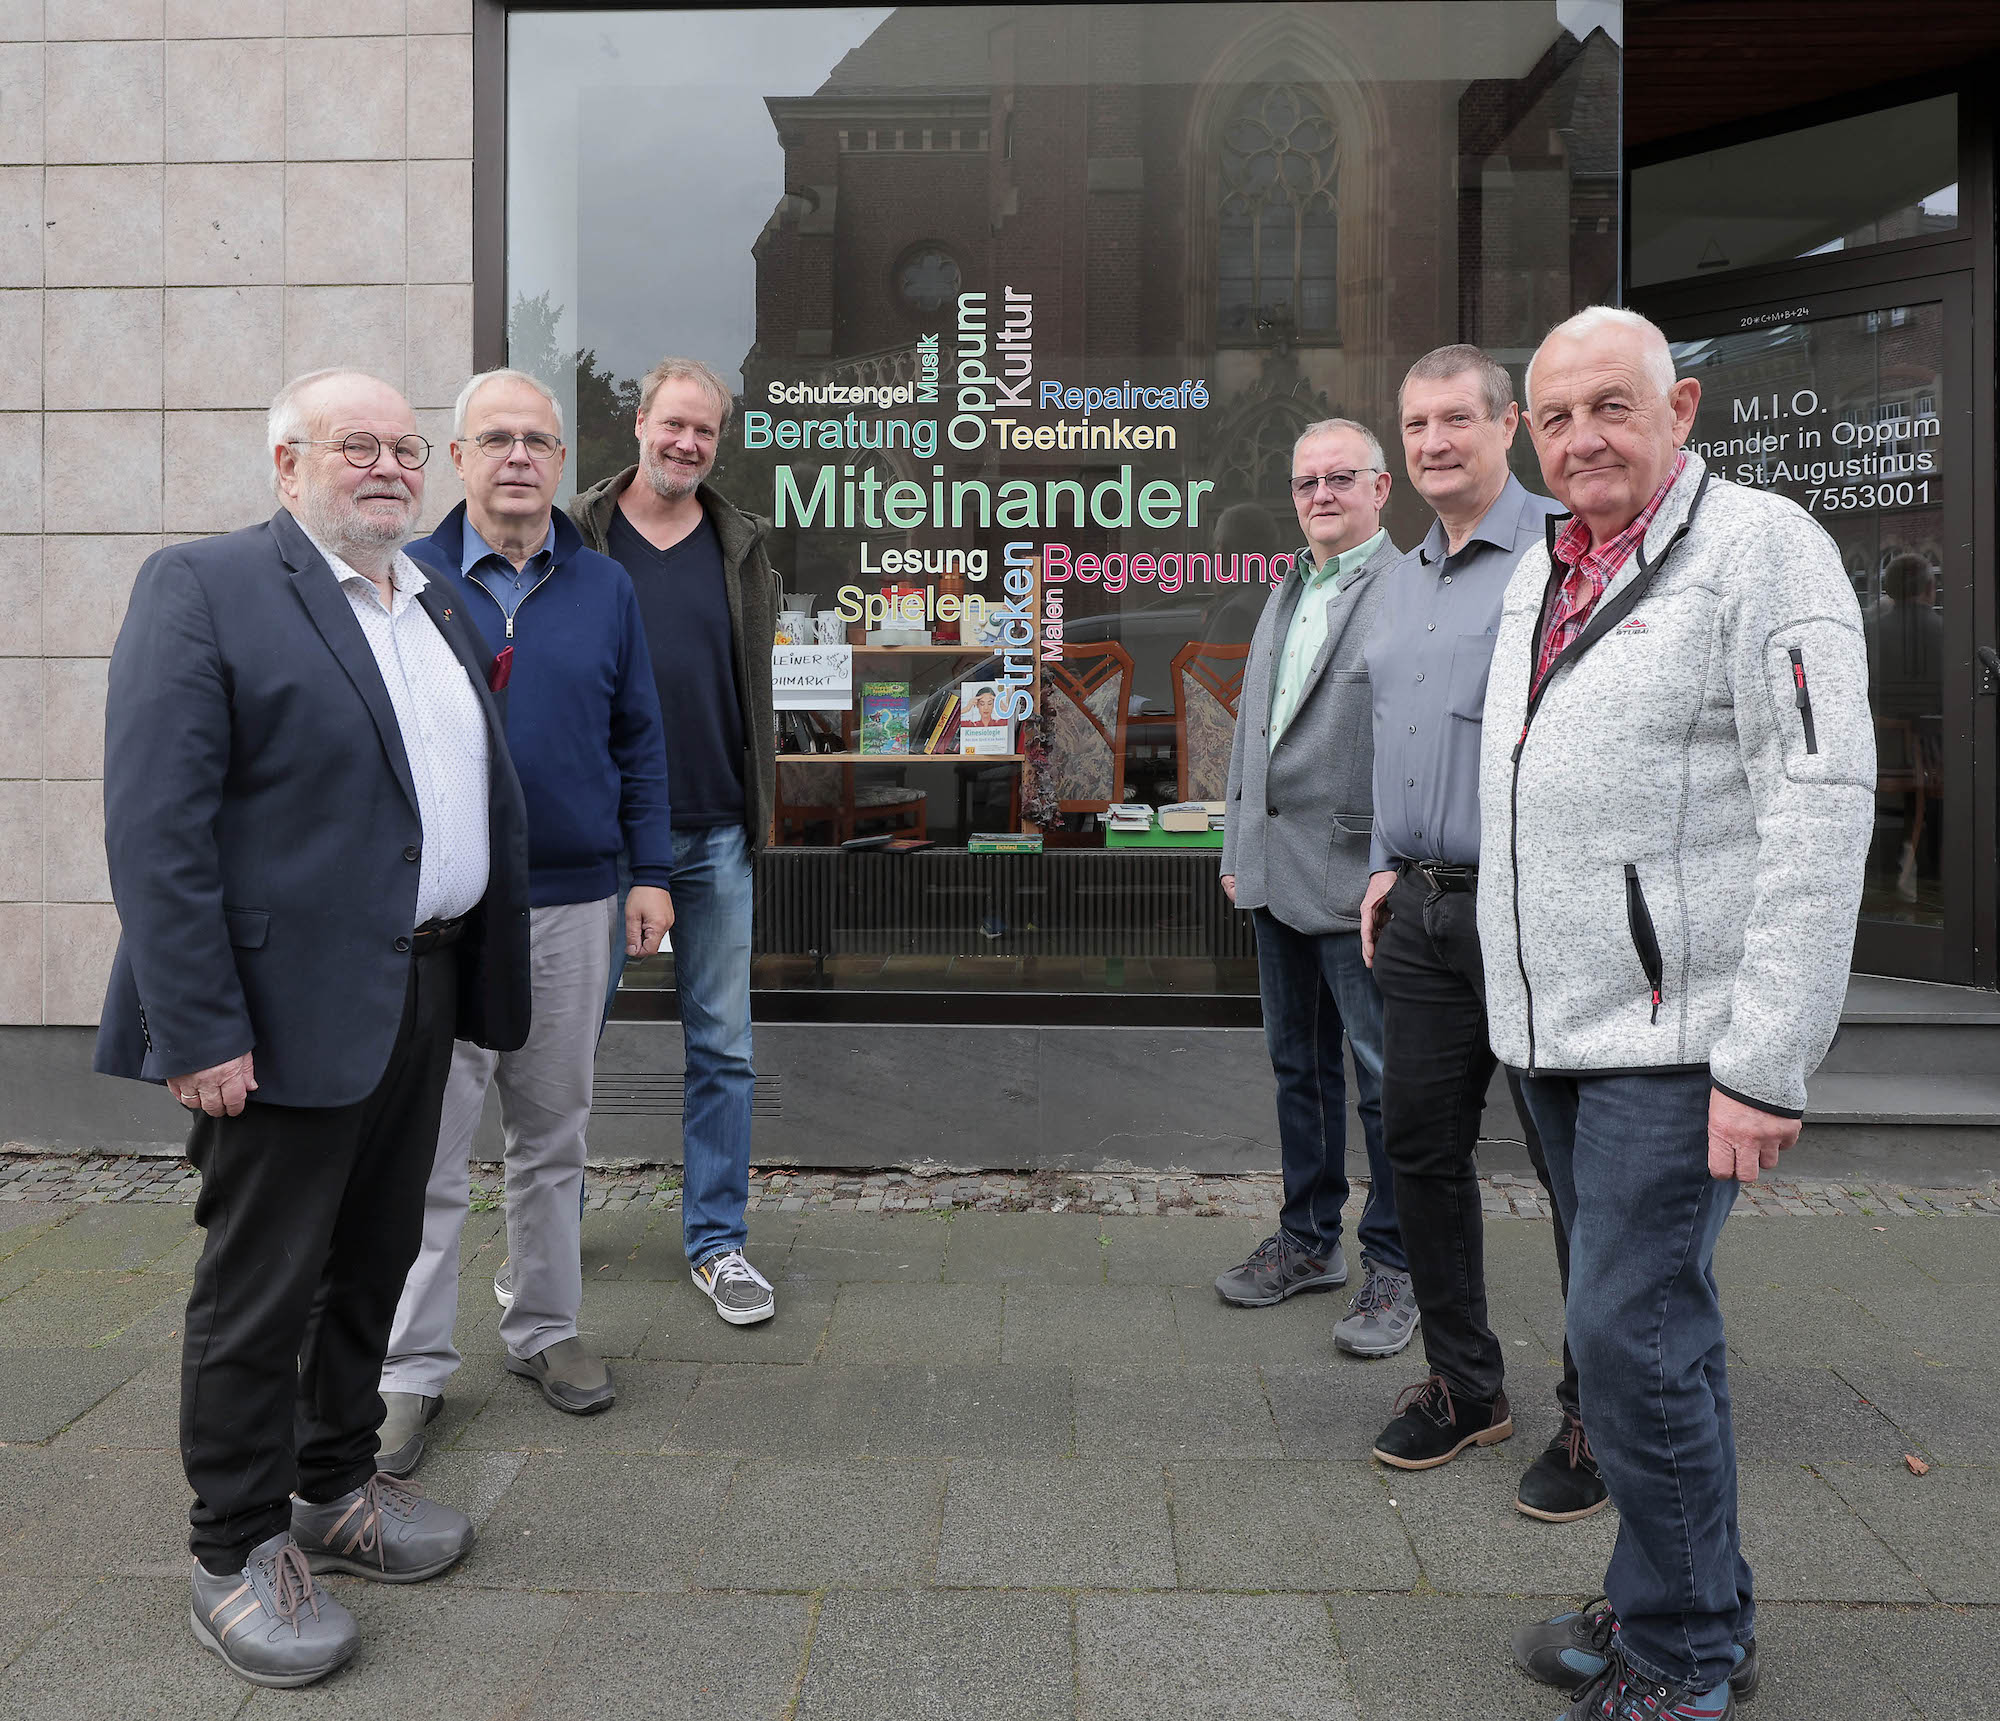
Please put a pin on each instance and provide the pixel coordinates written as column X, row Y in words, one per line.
column 1028, row 306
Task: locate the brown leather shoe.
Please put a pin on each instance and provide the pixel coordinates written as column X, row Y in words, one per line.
column 571, row 1375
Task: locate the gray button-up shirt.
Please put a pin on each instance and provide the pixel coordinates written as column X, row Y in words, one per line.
column 1427, row 662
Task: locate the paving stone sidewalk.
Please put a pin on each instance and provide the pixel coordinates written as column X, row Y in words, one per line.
column 998, row 1465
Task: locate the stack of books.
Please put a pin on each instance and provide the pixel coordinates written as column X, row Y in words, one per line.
column 1004, row 843
column 1129, row 816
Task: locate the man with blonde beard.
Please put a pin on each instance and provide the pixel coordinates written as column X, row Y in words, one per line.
column 318, row 851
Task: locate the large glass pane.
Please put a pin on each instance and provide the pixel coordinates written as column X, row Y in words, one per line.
column 1844, row 416
column 1172, row 236
column 1809, row 193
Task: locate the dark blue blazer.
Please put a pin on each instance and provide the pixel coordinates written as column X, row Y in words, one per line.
column 262, row 831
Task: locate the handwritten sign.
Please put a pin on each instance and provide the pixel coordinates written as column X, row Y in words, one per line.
column 812, row 677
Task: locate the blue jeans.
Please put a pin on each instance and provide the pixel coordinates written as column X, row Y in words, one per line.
column 1628, row 1166
column 1316, row 988
column 711, row 887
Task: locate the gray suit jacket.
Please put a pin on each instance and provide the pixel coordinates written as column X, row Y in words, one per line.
column 1300, row 815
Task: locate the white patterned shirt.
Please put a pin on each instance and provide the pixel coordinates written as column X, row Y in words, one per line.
column 444, row 734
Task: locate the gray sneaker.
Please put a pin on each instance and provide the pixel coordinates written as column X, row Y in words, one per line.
column 270, row 1623
column 400, row 1444
column 383, row 1530
column 1383, row 1317
column 1279, row 1268
column 742, row 1295
column 503, row 1285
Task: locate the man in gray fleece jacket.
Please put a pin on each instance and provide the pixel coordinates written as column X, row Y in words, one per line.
column 1677, row 790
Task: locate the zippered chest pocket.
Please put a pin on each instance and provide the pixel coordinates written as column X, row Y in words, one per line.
column 1816, row 672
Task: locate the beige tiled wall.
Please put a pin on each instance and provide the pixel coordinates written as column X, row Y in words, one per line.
column 198, row 198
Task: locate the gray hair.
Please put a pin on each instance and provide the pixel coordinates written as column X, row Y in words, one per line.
column 1376, row 460
column 1441, row 364
column 289, row 420
column 1656, row 355
column 672, row 369
column 503, row 374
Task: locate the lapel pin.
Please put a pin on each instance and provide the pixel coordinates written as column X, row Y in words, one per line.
column 447, row 612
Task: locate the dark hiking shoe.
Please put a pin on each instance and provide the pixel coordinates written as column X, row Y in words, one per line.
column 1279, row 1268
column 382, row 1531
column 1432, row 1428
column 1563, row 1485
column 1619, row 1694
column 571, row 1375
column 1573, row 1648
column 1383, row 1317
column 400, row 1444
column 270, row 1623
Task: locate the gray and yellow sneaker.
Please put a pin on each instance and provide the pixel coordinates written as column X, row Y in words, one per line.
column 1279, row 1267
column 270, row 1623
column 382, row 1530
column 1383, row 1317
column 742, row 1295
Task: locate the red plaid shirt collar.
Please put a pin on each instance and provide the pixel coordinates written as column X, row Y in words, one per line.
column 1590, row 571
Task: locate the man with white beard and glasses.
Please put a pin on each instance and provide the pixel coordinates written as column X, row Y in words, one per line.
column 709, row 601
column 318, row 850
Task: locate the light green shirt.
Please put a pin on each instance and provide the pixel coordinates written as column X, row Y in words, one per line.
column 1308, row 630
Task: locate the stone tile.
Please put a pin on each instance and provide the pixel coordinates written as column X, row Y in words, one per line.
column 105, row 20
column 78, row 940
column 1806, row 1414
column 440, row 345
column 1832, row 1663
column 226, row 100
column 675, row 1658
column 224, row 346
column 73, row 691
column 439, row 15
column 21, row 232
column 765, row 1410
column 862, row 1524
column 1419, row 1658
column 1949, row 1251
column 20, row 351
column 102, row 226
column 121, row 1239
column 1172, row 1251
column 1941, row 1657
column 357, row 233
column 616, row 1318
column 1025, row 1248
column 20, row 962
column 883, row 1657
column 21, row 20
column 190, row 18
column 1285, row 1526
column 688, row 1329
column 78, row 493
column 831, row 1249
column 1961, row 1330
column 102, row 349
column 1211, row 1411
column 661, row 1253
column 1804, row 1544
column 89, row 1514
column 104, row 102
column 900, row 1323
column 478, row 1382
column 122, row 1649
column 440, row 221
column 27, row 1605
column 1209, row 1658
column 21, row 465
column 1785, row 1327
column 608, row 1238
column 362, row 18
column 1122, row 1326
column 1945, row 1526
column 440, row 97
column 21, row 114
column 1462, row 1523
column 21, row 824
column 1943, row 1413
column 43, row 1391
column 650, row 1394
column 1021, row 1523
column 225, row 224
column 344, row 98
column 567, row 1523
column 1297, row 1331
column 361, row 327
column 143, row 1414
column 21, row 595
column 86, row 582
column 1848, row 1252
column 997, row 1411
column 216, row 466
column 73, row 864
column 442, row 493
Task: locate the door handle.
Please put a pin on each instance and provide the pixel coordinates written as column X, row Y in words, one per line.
column 1989, row 670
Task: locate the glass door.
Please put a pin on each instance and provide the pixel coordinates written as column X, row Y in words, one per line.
column 1857, row 406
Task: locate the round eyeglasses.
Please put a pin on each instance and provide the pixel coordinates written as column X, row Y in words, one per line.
column 1338, row 482
column 363, row 448
column 499, row 444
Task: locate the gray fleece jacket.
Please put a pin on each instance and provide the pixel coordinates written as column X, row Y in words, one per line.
column 1675, row 827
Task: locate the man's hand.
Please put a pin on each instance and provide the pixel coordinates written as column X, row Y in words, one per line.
column 1375, row 912
column 649, row 913
column 1229, row 885
column 1742, row 1140
column 216, row 1091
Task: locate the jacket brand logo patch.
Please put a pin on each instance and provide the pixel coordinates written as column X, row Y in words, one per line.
column 1635, row 625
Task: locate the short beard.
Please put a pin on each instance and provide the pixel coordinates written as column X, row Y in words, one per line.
column 668, row 485
column 338, row 520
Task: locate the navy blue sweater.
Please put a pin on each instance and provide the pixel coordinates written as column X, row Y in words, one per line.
column 583, row 716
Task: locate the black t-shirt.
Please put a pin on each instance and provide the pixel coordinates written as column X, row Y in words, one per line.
column 685, row 606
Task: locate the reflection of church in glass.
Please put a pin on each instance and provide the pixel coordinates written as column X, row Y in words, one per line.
column 1260, row 197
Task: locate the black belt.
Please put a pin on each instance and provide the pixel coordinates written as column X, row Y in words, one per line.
column 437, row 935
column 1442, row 875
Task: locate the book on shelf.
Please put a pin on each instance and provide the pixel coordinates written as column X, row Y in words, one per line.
column 1004, row 843
column 980, row 729
column 1128, row 816
column 885, row 717
column 1185, row 816
column 935, row 727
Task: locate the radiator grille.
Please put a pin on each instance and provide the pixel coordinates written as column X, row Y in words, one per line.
column 661, row 1094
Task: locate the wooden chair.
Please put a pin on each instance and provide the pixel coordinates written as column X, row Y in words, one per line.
column 1088, row 697
column 1208, row 682
column 815, row 796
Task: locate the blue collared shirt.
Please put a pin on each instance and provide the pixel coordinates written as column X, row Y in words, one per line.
column 1428, row 660
column 507, row 583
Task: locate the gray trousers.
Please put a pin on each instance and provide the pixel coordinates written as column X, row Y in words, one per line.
column 544, row 1108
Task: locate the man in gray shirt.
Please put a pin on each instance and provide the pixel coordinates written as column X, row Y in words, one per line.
column 1427, row 661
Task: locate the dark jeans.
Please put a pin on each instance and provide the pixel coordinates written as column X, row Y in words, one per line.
column 1436, row 1067
column 313, row 1220
column 1628, row 1163
column 1315, row 989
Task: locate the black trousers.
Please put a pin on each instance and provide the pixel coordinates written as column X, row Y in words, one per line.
column 1437, row 1063
column 314, row 1217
